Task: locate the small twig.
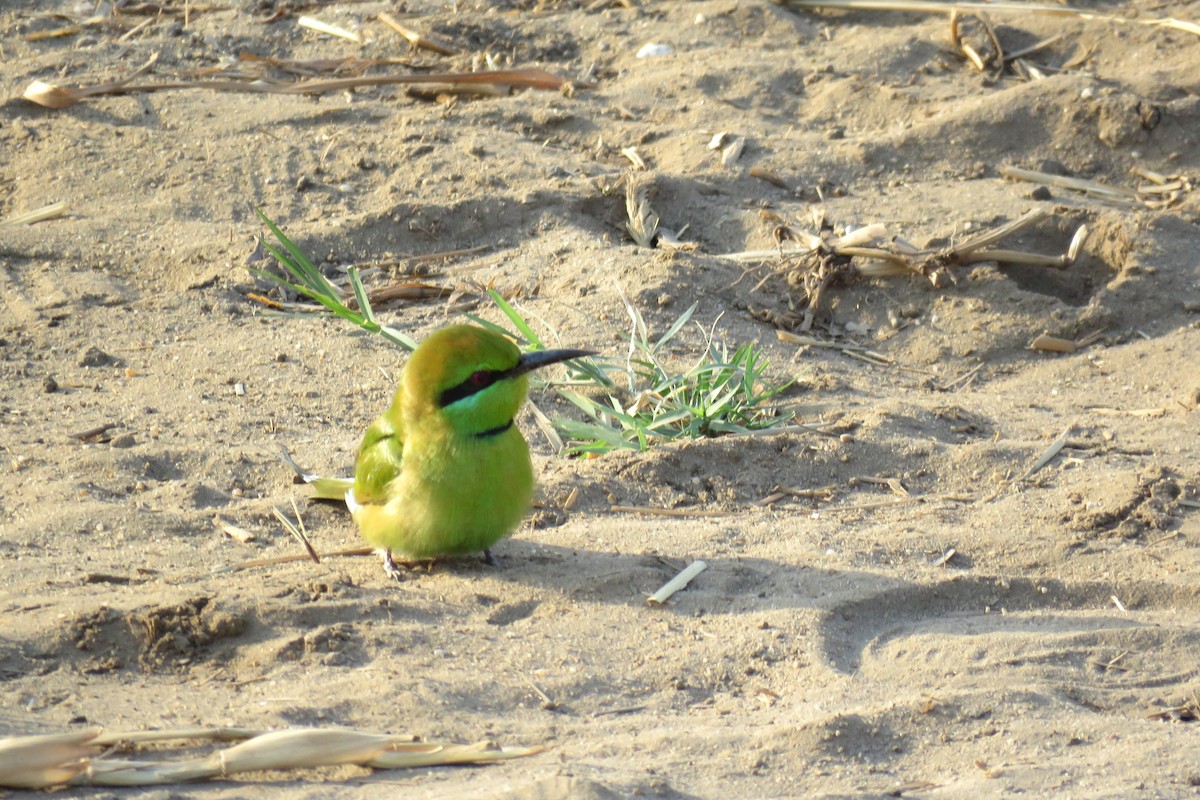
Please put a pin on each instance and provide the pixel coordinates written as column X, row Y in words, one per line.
column 92, row 433
column 547, row 703
column 667, row 512
column 51, row 96
column 416, row 38
column 989, row 238
column 1033, row 48
column 51, row 211
column 270, row 562
column 317, row 25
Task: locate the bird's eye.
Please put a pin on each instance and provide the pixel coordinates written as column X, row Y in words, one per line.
column 481, row 379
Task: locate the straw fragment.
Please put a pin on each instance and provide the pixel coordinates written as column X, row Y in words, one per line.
column 677, row 583
column 314, row 24
column 51, row 211
column 416, row 38
column 36, row 762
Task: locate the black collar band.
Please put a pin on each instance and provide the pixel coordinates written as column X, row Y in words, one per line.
column 490, row 432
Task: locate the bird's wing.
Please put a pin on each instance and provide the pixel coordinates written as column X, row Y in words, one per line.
column 378, row 462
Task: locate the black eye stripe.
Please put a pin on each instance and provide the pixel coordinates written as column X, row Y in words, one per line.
column 476, row 382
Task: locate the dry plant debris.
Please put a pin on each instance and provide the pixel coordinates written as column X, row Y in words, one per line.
column 1158, row 191
column 815, row 262
column 938, row 7
column 677, row 583
column 81, row 758
column 487, row 82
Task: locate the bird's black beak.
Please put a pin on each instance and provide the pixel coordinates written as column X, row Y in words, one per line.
column 541, row 358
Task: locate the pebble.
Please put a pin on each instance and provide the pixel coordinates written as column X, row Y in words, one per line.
column 123, row 441
column 49, row 385
column 93, row 356
column 654, row 50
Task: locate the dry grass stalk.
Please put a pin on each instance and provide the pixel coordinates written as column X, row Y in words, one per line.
column 416, row 38
column 314, row 24
column 51, row 211
column 667, row 512
column 1045, row 458
column 939, row 7
column 292, row 559
column 297, row 533
column 76, row 758
column 52, row 96
column 1159, row 191
column 401, row 755
column 125, row 739
column 677, row 583
column 320, row 66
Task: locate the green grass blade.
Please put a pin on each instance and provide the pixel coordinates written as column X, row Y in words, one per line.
column 594, row 433
column 493, row 327
column 517, row 320
column 396, row 337
column 360, row 295
column 676, row 327
column 299, row 263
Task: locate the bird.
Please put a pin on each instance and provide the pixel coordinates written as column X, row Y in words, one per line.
column 444, row 471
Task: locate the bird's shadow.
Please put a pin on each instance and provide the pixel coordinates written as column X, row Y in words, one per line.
column 526, row 573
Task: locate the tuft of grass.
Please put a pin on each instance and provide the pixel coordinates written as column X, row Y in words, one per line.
column 720, row 393
column 646, row 398
column 308, row 281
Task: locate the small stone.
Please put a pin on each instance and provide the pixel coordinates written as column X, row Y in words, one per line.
column 123, row 441
column 1052, row 167
column 49, row 385
column 95, row 357
column 303, row 183
column 1040, row 193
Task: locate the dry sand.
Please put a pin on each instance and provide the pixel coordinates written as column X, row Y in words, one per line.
column 829, row 650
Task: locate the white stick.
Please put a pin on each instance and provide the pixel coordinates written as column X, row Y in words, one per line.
column 675, row 584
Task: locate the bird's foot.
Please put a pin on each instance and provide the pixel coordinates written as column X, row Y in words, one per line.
column 390, row 567
column 490, row 559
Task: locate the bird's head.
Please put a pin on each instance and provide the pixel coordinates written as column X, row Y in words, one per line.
column 476, row 378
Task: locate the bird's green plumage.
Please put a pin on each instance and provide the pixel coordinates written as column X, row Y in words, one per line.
column 444, row 470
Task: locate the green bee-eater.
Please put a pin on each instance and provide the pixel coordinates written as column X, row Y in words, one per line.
column 444, row 471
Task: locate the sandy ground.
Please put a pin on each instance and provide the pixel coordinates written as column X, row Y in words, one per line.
column 830, row 650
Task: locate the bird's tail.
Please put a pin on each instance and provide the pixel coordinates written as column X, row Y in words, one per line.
column 331, row 488
column 323, row 488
